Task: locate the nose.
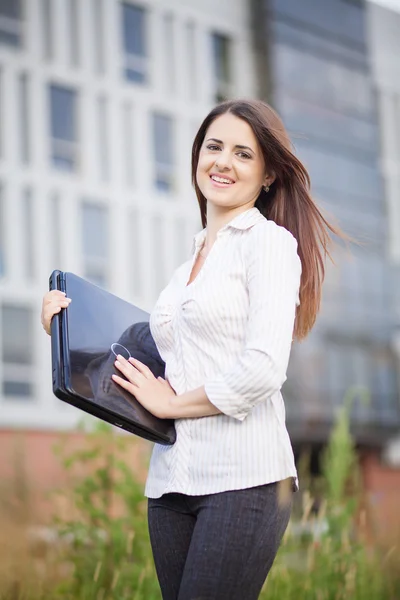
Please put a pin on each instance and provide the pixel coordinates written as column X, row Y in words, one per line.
column 224, row 161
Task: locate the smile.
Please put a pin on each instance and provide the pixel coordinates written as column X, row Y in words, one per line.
column 221, row 180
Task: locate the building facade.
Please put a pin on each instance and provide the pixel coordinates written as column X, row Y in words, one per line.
column 384, row 41
column 99, row 104
column 319, row 79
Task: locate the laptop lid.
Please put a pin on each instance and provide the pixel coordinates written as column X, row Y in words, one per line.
column 97, row 327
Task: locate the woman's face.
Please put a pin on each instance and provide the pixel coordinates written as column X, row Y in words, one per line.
column 231, row 170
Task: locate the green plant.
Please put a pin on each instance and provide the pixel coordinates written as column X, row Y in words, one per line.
column 107, row 543
column 333, row 562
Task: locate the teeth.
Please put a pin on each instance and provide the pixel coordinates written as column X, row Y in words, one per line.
column 220, row 179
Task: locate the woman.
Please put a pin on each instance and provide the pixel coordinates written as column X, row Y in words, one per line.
column 224, row 326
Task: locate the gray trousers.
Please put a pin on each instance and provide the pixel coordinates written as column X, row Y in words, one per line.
column 219, row 546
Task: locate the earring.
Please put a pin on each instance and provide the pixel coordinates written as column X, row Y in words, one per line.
column 266, row 188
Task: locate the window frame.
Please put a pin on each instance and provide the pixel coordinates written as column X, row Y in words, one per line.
column 62, row 149
column 135, row 63
column 164, row 172
column 223, row 88
column 12, row 26
column 11, row 371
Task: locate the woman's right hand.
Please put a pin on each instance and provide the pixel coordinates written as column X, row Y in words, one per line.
column 52, row 303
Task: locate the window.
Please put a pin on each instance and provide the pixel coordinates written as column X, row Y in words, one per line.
column 63, row 119
column 28, row 228
column 128, row 133
column 159, row 266
column 191, row 58
column 102, row 130
column 163, row 152
column 55, row 219
column 47, row 29
column 2, row 113
column 10, row 22
column 169, row 52
column 323, row 81
column 134, row 40
column 2, row 233
column 182, row 245
column 135, row 252
column 73, row 32
column 17, row 351
column 99, row 35
column 24, row 124
column 95, row 243
column 221, row 47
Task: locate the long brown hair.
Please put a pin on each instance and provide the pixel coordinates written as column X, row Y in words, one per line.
column 288, row 201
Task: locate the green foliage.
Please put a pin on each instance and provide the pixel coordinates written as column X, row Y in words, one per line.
column 333, row 562
column 110, row 554
column 104, row 551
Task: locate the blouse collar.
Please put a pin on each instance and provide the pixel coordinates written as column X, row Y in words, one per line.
column 242, row 221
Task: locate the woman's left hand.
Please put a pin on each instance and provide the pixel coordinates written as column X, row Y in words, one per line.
column 155, row 394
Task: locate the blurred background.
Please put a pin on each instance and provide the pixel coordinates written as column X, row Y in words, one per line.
column 99, row 104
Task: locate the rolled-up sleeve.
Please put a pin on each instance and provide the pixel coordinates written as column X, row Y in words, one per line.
column 273, row 270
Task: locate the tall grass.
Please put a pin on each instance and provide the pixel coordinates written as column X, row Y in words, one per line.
column 335, row 560
column 102, row 550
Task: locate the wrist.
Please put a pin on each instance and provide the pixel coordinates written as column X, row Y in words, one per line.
column 173, row 407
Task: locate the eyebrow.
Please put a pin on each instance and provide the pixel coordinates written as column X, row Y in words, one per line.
column 237, row 145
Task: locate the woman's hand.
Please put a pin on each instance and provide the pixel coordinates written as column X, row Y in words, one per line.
column 155, row 394
column 52, row 303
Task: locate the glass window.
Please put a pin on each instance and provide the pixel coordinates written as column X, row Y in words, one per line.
column 1, row 114
column 134, row 42
column 95, row 243
column 2, row 233
column 323, row 81
column 47, row 28
column 332, row 169
column 159, row 270
column 221, row 48
column 182, row 245
column 362, row 367
column 63, row 128
column 135, row 252
column 169, row 52
column 73, row 32
column 17, row 351
column 303, row 118
column 28, row 228
column 55, row 216
column 191, row 60
column 24, row 124
column 99, row 36
column 128, row 132
column 332, row 19
column 10, row 22
column 103, row 157
column 390, row 124
column 384, row 388
column 163, row 152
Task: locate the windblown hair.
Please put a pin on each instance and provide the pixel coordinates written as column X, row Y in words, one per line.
column 288, row 201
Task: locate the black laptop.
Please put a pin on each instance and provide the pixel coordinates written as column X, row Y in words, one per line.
column 85, row 340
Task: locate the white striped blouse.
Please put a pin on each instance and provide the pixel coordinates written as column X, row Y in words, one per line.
column 231, row 331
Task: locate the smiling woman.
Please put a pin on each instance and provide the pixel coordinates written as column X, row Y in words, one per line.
column 231, row 168
column 219, row 499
